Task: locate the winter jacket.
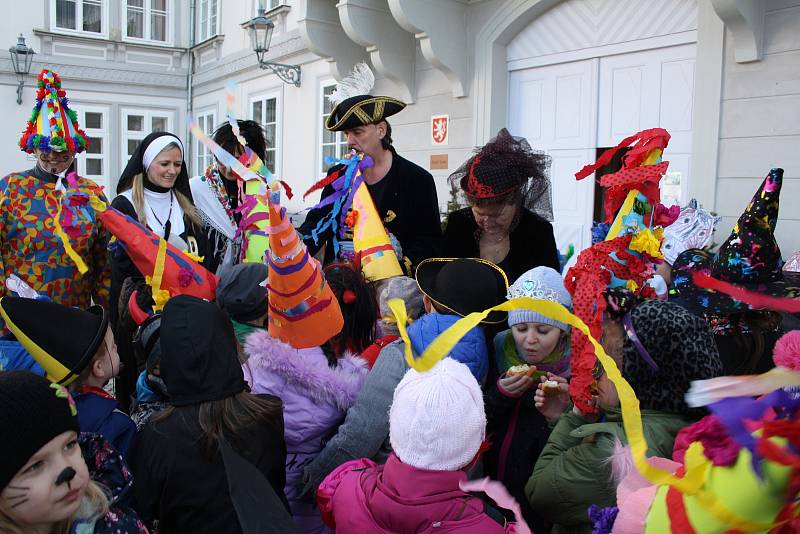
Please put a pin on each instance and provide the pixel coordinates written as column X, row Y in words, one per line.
column 108, row 469
column 365, row 431
column 184, row 486
column 315, row 398
column 518, row 433
column 99, row 412
column 362, row 496
column 574, row 471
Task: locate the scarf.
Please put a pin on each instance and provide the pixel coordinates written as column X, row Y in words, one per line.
column 556, row 363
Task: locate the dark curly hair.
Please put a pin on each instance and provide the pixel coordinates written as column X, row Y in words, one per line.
column 359, row 306
column 252, row 132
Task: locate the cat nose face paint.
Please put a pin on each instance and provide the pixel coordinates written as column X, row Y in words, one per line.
column 65, row 476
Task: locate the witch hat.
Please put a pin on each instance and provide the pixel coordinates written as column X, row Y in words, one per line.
column 374, row 251
column 750, row 257
column 61, row 339
column 52, row 125
column 303, row 311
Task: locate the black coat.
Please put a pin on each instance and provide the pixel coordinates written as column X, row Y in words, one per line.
column 532, row 243
column 177, row 484
column 518, row 433
column 409, row 193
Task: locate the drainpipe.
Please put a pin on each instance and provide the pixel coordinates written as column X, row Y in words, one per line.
column 190, row 77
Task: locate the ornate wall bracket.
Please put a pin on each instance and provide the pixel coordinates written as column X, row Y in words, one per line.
column 745, row 20
column 322, row 31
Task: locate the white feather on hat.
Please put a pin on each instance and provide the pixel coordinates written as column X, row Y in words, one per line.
column 358, row 82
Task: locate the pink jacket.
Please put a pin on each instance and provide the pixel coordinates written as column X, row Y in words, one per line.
column 362, row 496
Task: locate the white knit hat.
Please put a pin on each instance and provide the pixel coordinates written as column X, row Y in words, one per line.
column 539, row 283
column 437, row 419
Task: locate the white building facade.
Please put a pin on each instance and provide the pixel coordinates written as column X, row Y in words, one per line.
column 572, row 76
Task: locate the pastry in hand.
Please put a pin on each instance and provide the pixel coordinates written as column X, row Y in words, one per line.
column 522, row 369
column 550, row 388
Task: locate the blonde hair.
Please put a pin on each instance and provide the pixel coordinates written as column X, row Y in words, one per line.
column 94, row 505
column 137, row 188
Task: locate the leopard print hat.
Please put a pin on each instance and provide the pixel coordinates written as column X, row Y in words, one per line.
column 682, row 346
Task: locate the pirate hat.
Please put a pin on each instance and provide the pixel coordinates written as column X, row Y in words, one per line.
column 52, row 125
column 464, row 285
column 62, row 339
column 302, row 310
column 750, row 257
column 353, row 105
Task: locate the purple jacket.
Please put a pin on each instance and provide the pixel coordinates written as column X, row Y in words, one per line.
column 315, row 398
column 362, row 496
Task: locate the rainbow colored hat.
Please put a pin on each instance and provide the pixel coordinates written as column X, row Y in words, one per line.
column 52, row 126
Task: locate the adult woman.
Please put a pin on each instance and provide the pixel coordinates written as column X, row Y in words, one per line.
column 216, row 194
column 507, row 187
column 660, row 349
column 180, row 459
column 154, row 190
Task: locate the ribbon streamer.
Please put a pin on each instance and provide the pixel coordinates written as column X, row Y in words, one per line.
column 160, row 296
column 74, row 256
column 753, row 299
column 499, row 494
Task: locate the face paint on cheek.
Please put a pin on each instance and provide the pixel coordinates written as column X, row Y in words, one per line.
column 17, row 495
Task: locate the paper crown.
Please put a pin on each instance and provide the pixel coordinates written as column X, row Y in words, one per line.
column 374, row 252
column 303, row 311
column 52, row 126
column 61, row 339
column 167, row 269
column 625, row 258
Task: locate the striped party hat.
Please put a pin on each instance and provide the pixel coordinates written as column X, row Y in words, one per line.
column 52, row 125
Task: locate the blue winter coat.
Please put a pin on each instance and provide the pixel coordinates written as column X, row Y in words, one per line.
column 101, row 415
column 471, row 350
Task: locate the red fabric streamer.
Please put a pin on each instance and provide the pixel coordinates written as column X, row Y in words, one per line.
column 328, row 180
column 647, row 141
column 752, row 298
column 679, row 522
column 287, row 189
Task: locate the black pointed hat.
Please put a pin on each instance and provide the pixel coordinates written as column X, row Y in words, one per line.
column 62, row 339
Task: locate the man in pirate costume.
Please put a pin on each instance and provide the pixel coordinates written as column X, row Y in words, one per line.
column 404, row 193
column 49, row 235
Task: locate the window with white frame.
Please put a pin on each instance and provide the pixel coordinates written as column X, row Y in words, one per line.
column 207, row 120
column 138, row 124
column 267, row 5
column 147, row 20
column 94, row 164
column 79, row 15
column 333, row 144
column 208, row 19
column 266, row 111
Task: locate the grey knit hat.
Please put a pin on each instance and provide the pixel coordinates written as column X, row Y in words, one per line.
column 539, row 283
column 405, row 289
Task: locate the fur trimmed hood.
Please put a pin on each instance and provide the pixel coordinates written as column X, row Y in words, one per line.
column 306, row 370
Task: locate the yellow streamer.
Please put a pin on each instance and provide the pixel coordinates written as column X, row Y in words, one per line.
column 160, row 296
column 79, row 263
column 631, row 415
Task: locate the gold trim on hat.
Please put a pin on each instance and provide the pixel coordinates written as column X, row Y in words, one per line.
column 366, row 119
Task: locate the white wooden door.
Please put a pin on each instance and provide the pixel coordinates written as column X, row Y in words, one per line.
column 554, row 107
column 649, row 89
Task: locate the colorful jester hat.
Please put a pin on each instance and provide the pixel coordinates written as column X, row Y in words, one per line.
column 52, row 126
column 625, row 259
column 739, row 470
column 303, row 310
column 167, row 269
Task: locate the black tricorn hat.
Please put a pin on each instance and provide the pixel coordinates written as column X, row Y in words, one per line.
column 464, row 285
column 62, row 339
column 361, row 110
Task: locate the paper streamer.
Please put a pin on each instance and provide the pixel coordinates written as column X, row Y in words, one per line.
column 752, row 298
column 499, row 494
column 220, row 153
column 160, row 296
column 706, row 392
column 631, row 415
column 230, row 100
column 76, row 259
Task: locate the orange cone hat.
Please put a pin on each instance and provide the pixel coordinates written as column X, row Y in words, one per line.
column 371, row 242
column 303, row 311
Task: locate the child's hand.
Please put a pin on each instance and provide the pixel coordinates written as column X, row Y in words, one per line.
column 516, row 385
column 551, row 402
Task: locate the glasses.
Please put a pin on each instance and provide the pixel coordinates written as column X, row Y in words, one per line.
column 57, row 156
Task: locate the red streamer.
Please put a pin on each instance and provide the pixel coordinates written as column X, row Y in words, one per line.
column 752, row 298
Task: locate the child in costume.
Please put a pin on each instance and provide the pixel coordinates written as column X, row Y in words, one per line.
column 437, row 425
column 242, row 294
column 660, row 348
column 452, row 288
column 532, row 353
column 76, row 348
column 151, row 392
column 181, row 477
column 397, row 287
column 64, row 257
column 317, row 384
column 45, row 484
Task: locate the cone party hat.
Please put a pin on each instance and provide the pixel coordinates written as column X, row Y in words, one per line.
column 374, row 251
column 52, row 125
column 303, row 311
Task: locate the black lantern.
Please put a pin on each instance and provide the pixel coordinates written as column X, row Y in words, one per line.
column 21, row 58
column 260, row 28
